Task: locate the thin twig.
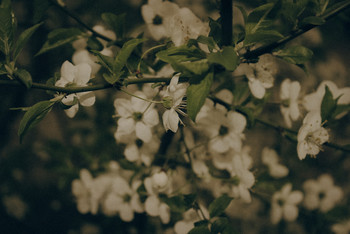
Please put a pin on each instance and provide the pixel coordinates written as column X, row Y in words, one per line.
column 295, row 33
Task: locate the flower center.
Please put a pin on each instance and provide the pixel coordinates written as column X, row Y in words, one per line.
column 285, row 102
column 223, row 130
column 139, row 143
column 126, row 198
column 137, row 116
column 167, row 102
column 321, row 195
column 157, row 20
column 280, row 202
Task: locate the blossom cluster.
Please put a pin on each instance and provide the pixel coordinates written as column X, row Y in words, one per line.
column 212, row 153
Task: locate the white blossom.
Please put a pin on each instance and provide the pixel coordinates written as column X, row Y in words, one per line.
column 284, row 204
column 123, row 199
column 341, row 228
column 260, row 75
column 270, row 159
column 321, row 193
column 241, row 163
column 153, row 205
column 135, row 116
column 311, row 135
column 185, row 25
column 172, row 100
column 157, row 14
column 289, row 95
column 78, row 76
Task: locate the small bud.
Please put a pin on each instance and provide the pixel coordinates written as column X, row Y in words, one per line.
column 160, row 180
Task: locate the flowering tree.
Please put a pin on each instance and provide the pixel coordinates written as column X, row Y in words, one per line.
column 184, row 123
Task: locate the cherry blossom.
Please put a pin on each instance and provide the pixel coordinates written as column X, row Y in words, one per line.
column 79, row 76
column 289, row 95
column 185, row 25
column 321, row 193
column 270, row 159
column 284, row 204
column 172, row 100
column 123, row 199
column 311, row 135
column 135, row 115
column 260, row 75
column 157, row 14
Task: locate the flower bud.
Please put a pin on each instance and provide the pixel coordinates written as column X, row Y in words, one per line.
column 160, row 180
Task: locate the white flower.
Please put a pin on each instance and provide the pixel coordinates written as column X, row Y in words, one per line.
column 289, row 96
column 153, row 205
column 341, row 228
column 284, row 204
column 260, row 76
column 224, row 129
column 157, row 14
column 136, row 115
column 172, row 100
column 89, row 191
column 78, row 75
column 313, row 101
column 123, row 199
column 321, row 193
column 241, row 163
column 185, row 25
column 270, row 158
column 137, row 151
column 311, row 135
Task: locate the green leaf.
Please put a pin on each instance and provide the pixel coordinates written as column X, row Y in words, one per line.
column 328, row 105
column 199, row 230
column 7, row 27
column 184, row 59
column 222, row 226
column 256, row 18
column 263, row 37
column 33, row 116
column 122, row 58
column 178, row 203
column 60, row 37
column 94, row 44
column 106, row 61
column 314, row 20
column 24, row 77
column 23, row 39
column 215, row 30
column 218, row 206
column 295, row 54
column 340, row 109
column 197, row 92
column 116, row 23
column 227, row 58
column 209, row 41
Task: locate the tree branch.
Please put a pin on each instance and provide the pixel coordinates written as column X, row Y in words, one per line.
column 226, row 22
column 280, row 129
column 339, row 7
column 76, row 18
column 95, row 87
